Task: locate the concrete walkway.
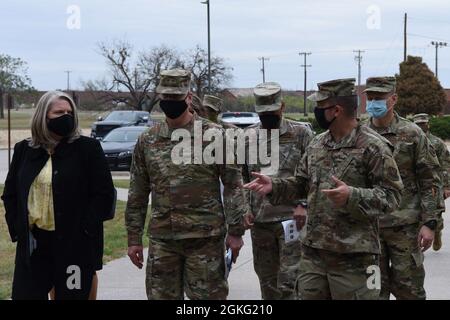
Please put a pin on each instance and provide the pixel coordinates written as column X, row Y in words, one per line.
column 120, row 280
column 122, row 194
column 243, row 281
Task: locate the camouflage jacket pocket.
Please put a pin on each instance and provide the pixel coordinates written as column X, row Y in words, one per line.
column 349, row 167
column 418, row 258
column 404, row 156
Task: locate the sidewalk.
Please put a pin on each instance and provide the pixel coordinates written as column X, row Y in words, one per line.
column 242, row 281
column 120, row 280
column 130, row 285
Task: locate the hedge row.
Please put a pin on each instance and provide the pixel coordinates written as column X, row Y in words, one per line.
column 440, row 126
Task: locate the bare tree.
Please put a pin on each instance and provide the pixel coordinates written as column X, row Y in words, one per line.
column 137, row 75
column 101, row 84
column 196, row 60
column 151, row 64
column 103, row 93
column 125, row 72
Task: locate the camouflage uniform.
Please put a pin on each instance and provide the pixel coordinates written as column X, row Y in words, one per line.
column 198, row 107
column 443, row 156
column 275, row 261
column 342, row 243
column 187, row 224
column 215, row 104
column 401, row 264
column 212, row 106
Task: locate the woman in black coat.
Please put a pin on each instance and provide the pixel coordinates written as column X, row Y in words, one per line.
column 61, row 245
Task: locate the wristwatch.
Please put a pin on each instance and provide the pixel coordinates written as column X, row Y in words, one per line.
column 432, row 224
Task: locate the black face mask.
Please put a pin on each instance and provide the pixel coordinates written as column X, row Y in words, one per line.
column 172, row 108
column 322, row 121
column 270, row 121
column 62, row 126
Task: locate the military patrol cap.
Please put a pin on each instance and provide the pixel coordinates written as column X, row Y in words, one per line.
column 421, row 118
column 174, row 82
column 334, row 88
column 267, row 97
column 213, row 102
column 197, row 105
column 380, row 84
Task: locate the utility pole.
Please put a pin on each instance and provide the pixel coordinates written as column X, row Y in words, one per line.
column 405, row 37
column 358, row 59
column 437, row 45
column 209, row 45
column 2, row 114
column 68, row 79
column 10, row 105
column 305, row 66
column 263, row 68
column 135, row 79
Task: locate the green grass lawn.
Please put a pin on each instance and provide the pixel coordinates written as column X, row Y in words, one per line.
column 116, row 235
column 21, row 119
column 7, row 254
column 122, row 183
column 298, row 115
column 115, row 245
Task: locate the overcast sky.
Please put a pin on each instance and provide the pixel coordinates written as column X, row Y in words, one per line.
column 242, row 31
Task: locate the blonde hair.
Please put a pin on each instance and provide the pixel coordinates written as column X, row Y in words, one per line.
column 40, row 134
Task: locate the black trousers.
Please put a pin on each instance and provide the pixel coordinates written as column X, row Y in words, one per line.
column 44, row 273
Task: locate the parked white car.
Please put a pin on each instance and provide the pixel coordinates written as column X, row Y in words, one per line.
column 240, row 119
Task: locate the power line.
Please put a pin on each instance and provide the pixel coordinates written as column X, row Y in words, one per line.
column 428, row 20
column 426, row 37
column 389, row 50
column 291, row 53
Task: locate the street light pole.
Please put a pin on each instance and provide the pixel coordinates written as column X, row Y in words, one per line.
column 209, row 45
column 68, row 79
column 437, row 46
column 263, row 67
